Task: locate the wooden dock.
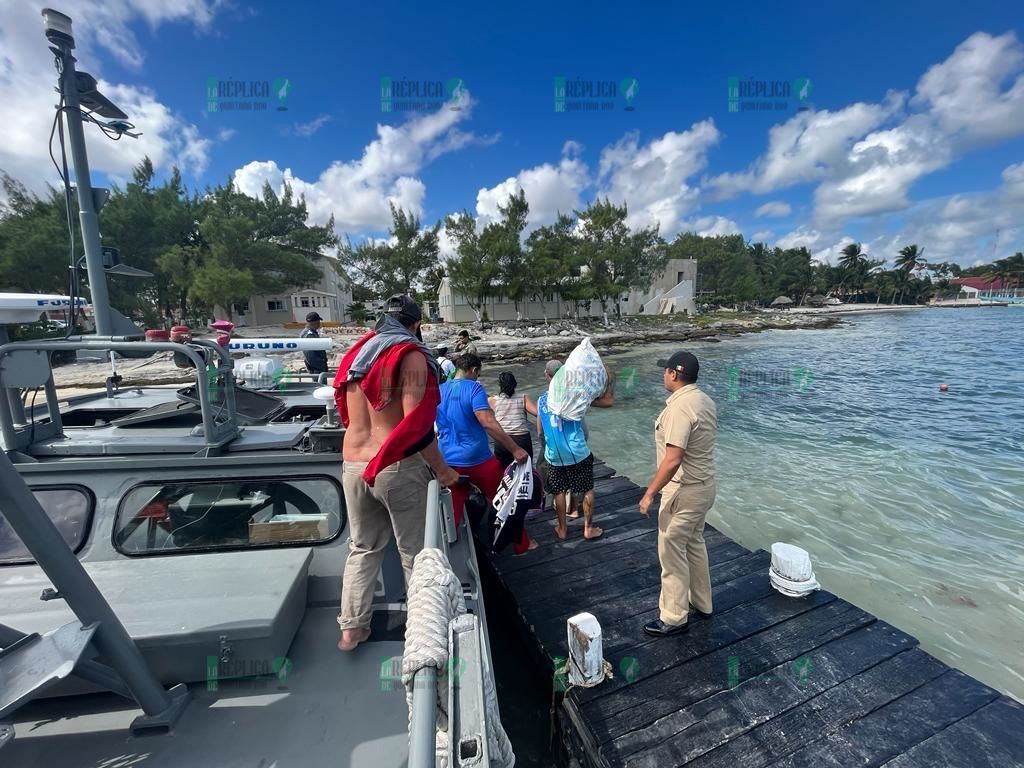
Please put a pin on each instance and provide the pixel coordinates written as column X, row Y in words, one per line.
column 767, row 680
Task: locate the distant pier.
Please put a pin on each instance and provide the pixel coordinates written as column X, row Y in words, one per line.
column 767, row 680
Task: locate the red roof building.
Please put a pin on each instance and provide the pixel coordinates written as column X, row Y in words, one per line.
column 980, row 283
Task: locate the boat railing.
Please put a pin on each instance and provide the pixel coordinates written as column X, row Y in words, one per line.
column 469, row 664
column 25, row 365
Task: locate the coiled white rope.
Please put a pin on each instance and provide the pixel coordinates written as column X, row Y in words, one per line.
column 435, row 600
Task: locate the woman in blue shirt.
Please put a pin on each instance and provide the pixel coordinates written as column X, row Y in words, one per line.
column 464, row 420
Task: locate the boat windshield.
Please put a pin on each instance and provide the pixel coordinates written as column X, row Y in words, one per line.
column 195, row 515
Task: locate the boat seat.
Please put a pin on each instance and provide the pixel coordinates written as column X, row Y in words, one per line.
column 194, row 617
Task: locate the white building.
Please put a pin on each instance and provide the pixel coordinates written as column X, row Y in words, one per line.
column 671, row 292
column 330, row 297
column 453, row 307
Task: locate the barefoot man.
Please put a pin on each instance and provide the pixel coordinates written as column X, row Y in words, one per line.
column 387, row 394
column 570, row 461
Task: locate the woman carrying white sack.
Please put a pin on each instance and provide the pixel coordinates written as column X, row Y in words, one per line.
column 583, row 381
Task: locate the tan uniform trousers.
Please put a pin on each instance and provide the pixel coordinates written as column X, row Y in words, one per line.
column 685, row 575
column 397, row 501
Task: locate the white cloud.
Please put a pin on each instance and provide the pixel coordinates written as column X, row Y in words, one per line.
column 550, row 189
column 711, row 226
column 763, row 236
column 308, row 129
column 805, row 148
column 652, row 178
column 774, row 208
column 964, row 93
column 27, row 79
column 358, row 192
column 867, row 157
column 962, row 227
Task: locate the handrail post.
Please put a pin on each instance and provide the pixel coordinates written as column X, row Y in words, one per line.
column 423, row 711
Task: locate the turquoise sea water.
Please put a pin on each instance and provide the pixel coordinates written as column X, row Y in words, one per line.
column 910, row 500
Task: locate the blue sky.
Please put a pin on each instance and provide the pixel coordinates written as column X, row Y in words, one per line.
column 914, row 131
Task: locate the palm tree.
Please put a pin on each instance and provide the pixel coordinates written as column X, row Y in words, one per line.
column 854, row 263
column 909, row 258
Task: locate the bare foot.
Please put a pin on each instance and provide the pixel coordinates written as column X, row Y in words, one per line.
column 533, row 545
column 350, row 638
column 561, row 532
column 593, row 532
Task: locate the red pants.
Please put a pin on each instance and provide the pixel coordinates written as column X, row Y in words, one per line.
column 487, row 477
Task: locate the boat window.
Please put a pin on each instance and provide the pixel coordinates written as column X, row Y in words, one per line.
column 70, row 508
column 159, row 518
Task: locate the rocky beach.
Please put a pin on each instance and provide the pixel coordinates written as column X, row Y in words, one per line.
column 511, row 342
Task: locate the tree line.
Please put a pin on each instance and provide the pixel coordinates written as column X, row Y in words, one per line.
column 215, row 248
column 219, row 247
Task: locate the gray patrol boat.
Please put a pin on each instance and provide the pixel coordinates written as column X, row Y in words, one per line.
column 170, row 561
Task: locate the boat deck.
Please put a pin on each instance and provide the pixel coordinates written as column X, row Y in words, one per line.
column 330, row 709
column 767, row 680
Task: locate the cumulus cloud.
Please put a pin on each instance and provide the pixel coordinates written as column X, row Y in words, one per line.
column 550, row 189
column 653, row 177
column 358, row 193
column 805, row 148
column 711, row 226
column 866, row 158
column 27, row 79
column 774, row 208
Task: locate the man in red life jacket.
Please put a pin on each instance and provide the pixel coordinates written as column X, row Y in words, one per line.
column 387, row 395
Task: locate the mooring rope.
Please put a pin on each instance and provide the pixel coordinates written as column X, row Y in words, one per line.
column 435, row 600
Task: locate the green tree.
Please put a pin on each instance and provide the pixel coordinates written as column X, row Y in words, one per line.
column 615, row 257
column 474, row 271
column 34, row 255
column 399, row 264
column 550, row 260
column 504, row 240
column 217, row 284
column 909, row 258
column 854, row 265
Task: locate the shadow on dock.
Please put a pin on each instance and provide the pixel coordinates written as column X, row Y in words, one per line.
column 767, row 680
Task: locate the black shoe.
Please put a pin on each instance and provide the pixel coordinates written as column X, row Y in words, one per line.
column 700, row 613
column 659, row 628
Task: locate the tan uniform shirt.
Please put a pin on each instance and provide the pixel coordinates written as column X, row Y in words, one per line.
column 690, row 422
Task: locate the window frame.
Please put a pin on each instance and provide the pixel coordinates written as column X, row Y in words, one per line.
column 227, row 547
column 86, row 529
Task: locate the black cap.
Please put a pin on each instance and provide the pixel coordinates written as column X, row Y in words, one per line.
column 404, row 308
column 313, row 317
column 684, row 363
column 464, row 333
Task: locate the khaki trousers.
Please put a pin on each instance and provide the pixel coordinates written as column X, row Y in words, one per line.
column 397, row 502
column 685, row 575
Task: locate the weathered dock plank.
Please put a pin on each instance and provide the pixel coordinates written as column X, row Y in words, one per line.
column 767, row 680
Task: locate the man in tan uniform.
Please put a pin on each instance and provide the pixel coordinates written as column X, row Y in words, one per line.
column 684, row 437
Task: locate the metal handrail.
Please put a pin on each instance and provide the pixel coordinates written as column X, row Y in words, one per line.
column 210, row 427
column 423, row 715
